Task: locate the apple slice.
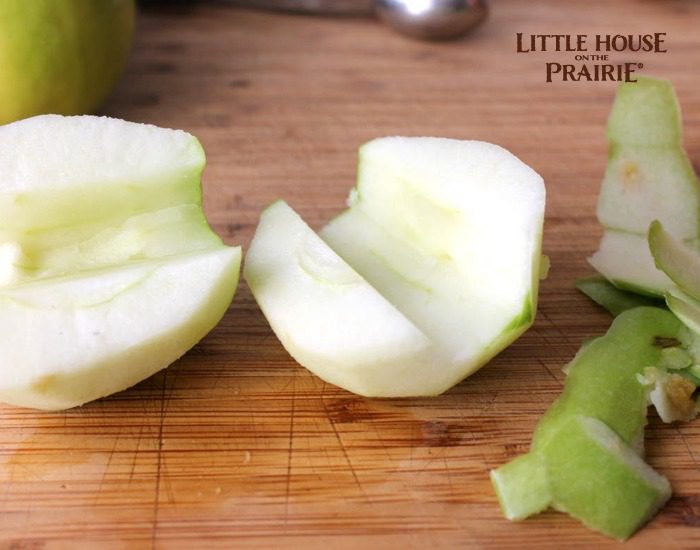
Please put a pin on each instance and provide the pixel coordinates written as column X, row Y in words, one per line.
column 108, row 268
column 72, row 339
column 448, row 232
column 648, row 177
column 327, row 316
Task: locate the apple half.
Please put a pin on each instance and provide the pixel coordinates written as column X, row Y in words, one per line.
column 648, row 177
column 431, row 271
column 108, row 269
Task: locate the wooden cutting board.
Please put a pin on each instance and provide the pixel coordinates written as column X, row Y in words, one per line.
column 236, row 445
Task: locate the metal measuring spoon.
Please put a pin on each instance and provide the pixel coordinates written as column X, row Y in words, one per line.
column 432, row 19
column 423, row 19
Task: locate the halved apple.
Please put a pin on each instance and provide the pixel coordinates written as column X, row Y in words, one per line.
column 648, row 177
column 448, row 232
column 108, row 268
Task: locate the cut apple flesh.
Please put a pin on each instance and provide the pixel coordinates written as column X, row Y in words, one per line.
column 327, row 316
column 449, row 233
column 649, row 183
column 649, row 177
column 65, row 171
column 426, row 289
column 624, row 260
column 108, row 268
column 70, row 340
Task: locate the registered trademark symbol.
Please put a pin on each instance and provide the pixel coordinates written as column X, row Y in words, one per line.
column 640, row 65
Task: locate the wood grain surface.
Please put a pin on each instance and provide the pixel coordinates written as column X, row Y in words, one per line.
column 236, row 445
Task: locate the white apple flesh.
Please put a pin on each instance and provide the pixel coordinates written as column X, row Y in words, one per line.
column 448, row 232
column 326, row 315
column 108, row 269
column 624, row 260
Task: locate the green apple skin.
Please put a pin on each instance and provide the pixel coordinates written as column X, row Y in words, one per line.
column 603, row 381
column 109, row 270
column 61, row 56
column 685, row 307
column 598, row 420
column 522, row 486
column 648, row 177
column 613, row 299
column 599, row 479
column 448, row 232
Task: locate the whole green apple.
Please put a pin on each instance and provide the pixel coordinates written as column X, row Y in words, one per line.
column 61, row 56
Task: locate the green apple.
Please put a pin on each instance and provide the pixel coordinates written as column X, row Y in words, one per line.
column 584, row 457
column 61, row 56
column 649, row 177
column 108, row 268
column 448, row 232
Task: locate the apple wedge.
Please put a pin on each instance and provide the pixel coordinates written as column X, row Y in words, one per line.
column 447, row 232
column 648, row 177
column 326, row 315
column 108, row 269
